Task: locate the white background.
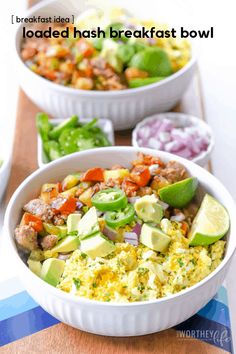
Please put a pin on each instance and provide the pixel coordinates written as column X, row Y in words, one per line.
column 217, row 61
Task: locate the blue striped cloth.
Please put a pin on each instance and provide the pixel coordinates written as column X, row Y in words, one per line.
column 21, row 316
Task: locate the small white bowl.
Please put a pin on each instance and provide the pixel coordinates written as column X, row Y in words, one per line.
column 109, row 318
column 4, row 173
column 124, row 108
column 104, row 124
column 181, row 120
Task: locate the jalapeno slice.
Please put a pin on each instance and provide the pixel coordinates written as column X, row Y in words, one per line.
column 110, row 199
column 121, row 217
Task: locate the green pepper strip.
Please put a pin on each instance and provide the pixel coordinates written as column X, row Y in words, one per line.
column 120, row 218
column 109, row 199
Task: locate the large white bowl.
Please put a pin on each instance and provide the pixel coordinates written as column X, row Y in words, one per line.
column 127, row 319
column 125, row 107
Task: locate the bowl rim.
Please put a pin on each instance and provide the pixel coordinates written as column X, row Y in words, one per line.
column 171, row 115
column 99, row 94
column 77, row 299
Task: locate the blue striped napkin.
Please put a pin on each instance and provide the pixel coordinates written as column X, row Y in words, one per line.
column 21, row 316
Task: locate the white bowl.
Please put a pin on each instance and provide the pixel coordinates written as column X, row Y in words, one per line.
column 181, row 120
column 4, row 173
column 125, row 107
column 112, row 319
column 104, row 124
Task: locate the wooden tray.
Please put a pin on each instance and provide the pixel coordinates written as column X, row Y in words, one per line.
column 62, row 338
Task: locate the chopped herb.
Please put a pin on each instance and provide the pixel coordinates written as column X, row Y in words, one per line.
column 83, row 255
column 94, row 285
column 77, row 283
column 143, row 271
column 141, row 287
column 181, row 263
column 193, row 261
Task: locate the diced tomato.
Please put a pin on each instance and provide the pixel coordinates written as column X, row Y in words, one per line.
column 94, row 174
column 32, row 220
column 184, row 227
column 140, row 175
column 129, row 187
column 64, row 205
column 85, row 48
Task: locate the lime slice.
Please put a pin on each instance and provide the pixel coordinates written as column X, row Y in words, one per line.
column 210, row 224
column 179, row 194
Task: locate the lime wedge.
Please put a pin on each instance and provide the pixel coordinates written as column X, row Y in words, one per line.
column 179, row 194
column 210, row 224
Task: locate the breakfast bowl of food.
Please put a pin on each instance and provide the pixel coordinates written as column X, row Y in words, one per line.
column 121, row 241
column 123, row 78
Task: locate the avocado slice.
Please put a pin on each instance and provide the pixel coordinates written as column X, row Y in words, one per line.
column 60, row 231
column 52, row 270
column 97, row 245
column 134, row 83
column 88, row 225
column 35, row 266
column 154, row 238
column 72, row 222
column 67, row 244
column 148, row 209
column 153, row 60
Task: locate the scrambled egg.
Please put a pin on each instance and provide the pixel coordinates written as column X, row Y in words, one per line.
column 137, row 273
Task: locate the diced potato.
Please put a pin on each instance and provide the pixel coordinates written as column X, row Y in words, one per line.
column 71, row 181
column 49, row 191
column 116, row 174
column 70, row 192
column 86, row 196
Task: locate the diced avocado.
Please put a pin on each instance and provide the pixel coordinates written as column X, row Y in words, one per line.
column 148, row 209
column 68, row 123
column 116, row 174
column 72, row 222
column 52, row 270
column 154, row 238
column 67, row 244
column 60, row 231
column 109, row 52
column 88, row 225
column 37, row 255
column 35, row 266
column 71, row 181
column 125, row 52
column 97, row 245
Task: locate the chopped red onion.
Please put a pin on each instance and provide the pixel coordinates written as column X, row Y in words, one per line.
column 153, row 168
column 64, row 257
column 79, row 205
column 179, row 217
column 110, row 233
column 133, row 200
column 99, row 213
column 187, row 142
column 137, row 229
column 131, row 237
column 163, row 204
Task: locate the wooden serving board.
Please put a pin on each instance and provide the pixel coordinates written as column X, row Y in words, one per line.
column 62, row 338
